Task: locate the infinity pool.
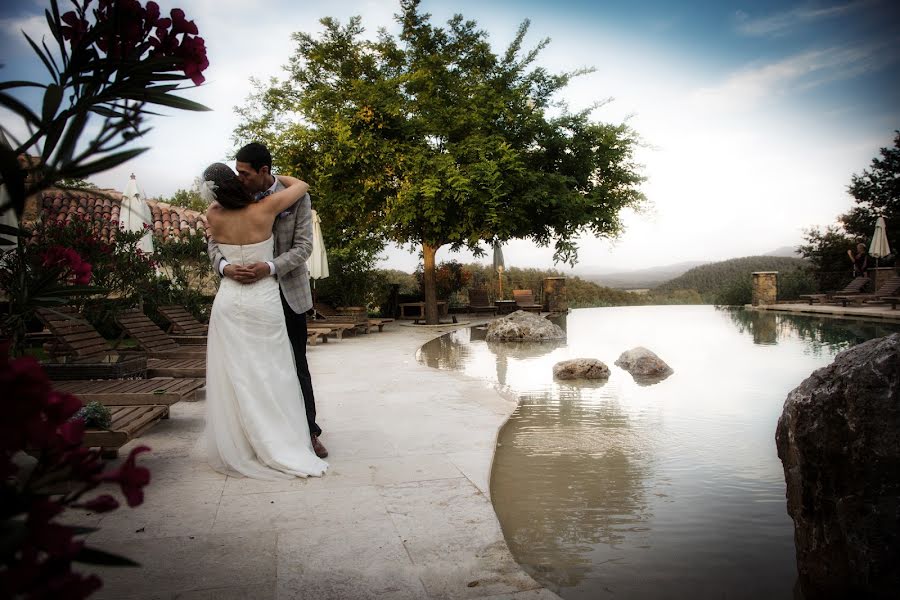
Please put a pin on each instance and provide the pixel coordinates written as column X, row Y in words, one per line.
column 671, row 490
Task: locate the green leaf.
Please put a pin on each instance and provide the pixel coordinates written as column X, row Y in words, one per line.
column 104, row 164
column 17, row 84
column 163, row 99
column 52, row 98
column 92, row 556
column 45, row 59
column 19, row 108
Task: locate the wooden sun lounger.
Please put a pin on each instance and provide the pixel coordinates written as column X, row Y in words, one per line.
column 132, row 392
column 479, row 302
column 326, row 330
column 890, row 287
column 854, row 287
column 82, row 343
column 525, row 301
column 894, row 300
column 152, row 339
column 181, row 321
column 128, row 423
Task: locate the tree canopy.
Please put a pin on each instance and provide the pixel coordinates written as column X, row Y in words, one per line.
column 876, row 193
column 430, row 138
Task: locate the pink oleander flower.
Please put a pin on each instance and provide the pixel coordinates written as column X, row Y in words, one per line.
column 130, row 477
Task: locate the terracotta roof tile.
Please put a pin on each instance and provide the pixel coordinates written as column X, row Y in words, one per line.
column 102, row 207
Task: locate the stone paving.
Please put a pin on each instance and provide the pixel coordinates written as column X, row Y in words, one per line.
column 404, row 511
column 863, row 311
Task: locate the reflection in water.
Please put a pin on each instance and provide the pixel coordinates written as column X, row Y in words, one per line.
column 616, row 490
column 606, row 462
column 819, row 334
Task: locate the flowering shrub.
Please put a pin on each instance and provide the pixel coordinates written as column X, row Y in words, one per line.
column 36, row 552
column 74, row 269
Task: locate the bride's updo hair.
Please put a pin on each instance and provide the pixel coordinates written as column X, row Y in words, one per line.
column 228, row 189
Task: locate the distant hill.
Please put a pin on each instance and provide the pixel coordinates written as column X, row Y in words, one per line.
column 713, row 279
column 788, row 251
column 638, row 279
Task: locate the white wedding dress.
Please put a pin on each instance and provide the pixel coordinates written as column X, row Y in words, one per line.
column 255, row 419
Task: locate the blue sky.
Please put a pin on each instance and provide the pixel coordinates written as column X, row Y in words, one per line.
column 755, row 114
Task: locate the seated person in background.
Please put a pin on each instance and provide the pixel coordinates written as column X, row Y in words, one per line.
column 859, row 260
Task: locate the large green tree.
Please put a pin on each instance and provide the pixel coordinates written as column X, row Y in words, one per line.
column 876, row 193
column 430, row 138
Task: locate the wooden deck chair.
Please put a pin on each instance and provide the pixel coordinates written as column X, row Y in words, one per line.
column 321, row 332
column 182, row 322
column 479, row 302
column 525, row 301
column 152, row 339
column 356, row 319
column 856, row 286
column 890, row 287
column 128, row 423
column 82, row 344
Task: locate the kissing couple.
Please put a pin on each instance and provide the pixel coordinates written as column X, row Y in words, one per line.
column 260, row 408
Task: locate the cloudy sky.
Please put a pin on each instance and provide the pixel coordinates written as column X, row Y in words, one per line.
column 754, row 113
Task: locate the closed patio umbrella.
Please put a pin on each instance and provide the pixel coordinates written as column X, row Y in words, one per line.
column 135, row 213
column 499, row 265
column 879, row 247
column 317, row 263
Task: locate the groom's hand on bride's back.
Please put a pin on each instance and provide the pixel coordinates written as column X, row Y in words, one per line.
column 239, row 273
column 248, row 273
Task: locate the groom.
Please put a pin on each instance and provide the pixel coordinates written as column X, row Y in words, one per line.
column 293, row 245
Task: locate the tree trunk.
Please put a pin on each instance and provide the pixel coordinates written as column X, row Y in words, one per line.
column 431, row 308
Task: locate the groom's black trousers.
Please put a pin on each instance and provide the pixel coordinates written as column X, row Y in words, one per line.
column 296, row 329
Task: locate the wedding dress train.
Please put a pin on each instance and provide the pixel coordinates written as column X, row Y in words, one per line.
column 255, row 419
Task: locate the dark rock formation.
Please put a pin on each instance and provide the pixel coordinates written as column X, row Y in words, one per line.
column 839, row 441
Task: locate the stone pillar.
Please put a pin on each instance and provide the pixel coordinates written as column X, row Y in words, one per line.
column 765, row 288
column 555, row 299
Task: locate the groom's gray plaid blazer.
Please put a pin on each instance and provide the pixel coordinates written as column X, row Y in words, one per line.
column 293, row 245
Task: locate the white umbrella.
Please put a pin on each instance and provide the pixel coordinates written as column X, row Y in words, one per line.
column 134, row 213
column 879, row 247
column 317, row 263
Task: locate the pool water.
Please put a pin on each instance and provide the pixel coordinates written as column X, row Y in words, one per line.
column 669, row 490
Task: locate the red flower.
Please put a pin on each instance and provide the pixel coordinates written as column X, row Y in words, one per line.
column 75, row 27
column 131, row 478
column 100, row 504
column 180, row 24
column 193, row 52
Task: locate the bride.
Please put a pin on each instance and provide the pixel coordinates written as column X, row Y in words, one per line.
column 255, row 427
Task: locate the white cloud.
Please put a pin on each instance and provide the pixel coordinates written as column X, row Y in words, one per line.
column 748, row 87
column 784, row 22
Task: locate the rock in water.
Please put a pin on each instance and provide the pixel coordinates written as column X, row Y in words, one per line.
column 523, row 326
column 838, row 439
column 641, row 362
column 581, row 368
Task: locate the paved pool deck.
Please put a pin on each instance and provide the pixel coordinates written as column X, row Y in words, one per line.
column 404, row 511
column 875, row 312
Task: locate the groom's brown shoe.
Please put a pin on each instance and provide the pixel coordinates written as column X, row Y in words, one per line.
column 318, row 448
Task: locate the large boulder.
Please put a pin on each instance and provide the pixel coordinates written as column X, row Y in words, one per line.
column 643, row 364
column 581, row 368
column 522, row 326
column 838, row 439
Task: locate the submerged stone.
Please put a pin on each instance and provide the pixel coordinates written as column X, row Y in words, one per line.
column 581, row 368
column 838, row 440
column 523, row 326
